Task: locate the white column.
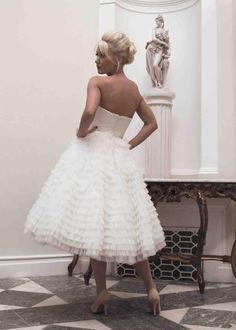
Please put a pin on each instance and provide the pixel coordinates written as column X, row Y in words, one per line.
column 209, row 89
column 158, row 145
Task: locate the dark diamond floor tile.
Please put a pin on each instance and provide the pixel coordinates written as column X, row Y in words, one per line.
column 115, row 278
column 55, row 314
column 60, row 327
column 133, row 285
column 9, row 320
column 134, row 314
column 58, row 283
column 194, row 298
column 9, row 283
column 78, row 295
column 138, row 322
column 70, row 289
column 21, row 298
column 210, row 318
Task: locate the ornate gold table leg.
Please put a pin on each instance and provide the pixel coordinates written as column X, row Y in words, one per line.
column 202, row 205
column 73, row 264
column 87, row 274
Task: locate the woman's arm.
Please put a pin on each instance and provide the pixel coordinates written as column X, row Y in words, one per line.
column 150, row 124
column 92, row 102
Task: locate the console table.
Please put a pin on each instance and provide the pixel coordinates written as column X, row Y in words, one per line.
column 171, row 190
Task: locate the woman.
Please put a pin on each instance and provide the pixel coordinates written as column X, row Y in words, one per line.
column 95, row 202
column 157, row 54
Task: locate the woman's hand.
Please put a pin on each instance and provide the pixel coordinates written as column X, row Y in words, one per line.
column 90, row 130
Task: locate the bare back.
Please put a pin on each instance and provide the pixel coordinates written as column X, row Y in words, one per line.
column 119, row 95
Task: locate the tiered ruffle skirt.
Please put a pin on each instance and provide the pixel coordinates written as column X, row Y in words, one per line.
column 95, row 203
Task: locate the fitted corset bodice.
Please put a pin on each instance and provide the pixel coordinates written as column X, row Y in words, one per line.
column 109, row 121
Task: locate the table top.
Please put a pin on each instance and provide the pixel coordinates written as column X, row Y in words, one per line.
column 188, row 180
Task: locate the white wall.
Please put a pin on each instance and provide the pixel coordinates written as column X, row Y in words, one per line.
column 47, row 57
column 226, row 12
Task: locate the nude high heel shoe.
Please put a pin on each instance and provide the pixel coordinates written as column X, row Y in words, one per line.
column 100, row 304
column 154, row 301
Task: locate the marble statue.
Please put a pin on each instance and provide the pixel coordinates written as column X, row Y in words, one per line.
column 158, row 53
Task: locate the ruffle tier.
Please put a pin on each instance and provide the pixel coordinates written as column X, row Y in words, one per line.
column 95, row 203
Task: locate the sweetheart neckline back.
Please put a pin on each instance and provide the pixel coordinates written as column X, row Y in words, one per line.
column 113, row 113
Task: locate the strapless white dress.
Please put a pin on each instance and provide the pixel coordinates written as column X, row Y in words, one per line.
column 95, row 202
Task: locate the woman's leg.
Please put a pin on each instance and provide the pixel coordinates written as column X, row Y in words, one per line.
column 99, row 269
column 143, row 270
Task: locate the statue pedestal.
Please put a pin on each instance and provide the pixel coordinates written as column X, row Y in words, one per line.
column 158, row 145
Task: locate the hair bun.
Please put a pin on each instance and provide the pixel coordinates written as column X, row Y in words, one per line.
column 120, row 45
column 131, row 52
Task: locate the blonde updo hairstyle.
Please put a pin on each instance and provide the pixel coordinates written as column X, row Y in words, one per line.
column 122, row 49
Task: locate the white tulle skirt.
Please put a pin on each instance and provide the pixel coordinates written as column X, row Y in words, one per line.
column 95, row 203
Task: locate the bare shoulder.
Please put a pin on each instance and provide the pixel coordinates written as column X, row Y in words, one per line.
column 133, row 87
column 96, row 80
column 133, row 84
column 137, row 92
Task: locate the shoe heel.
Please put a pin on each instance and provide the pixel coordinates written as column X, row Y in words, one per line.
column 105, row 309
column 154, row 302
column 100, row 305
column 156, row 308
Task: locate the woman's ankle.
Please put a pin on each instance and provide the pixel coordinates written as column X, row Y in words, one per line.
column 151, row 286
column 100, row 290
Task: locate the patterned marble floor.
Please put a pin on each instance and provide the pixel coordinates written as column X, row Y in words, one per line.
column 62, row 302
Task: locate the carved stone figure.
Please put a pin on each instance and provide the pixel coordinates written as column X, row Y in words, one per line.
column 158, row 53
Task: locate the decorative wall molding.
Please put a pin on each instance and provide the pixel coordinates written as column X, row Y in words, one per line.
column 159, row 96
column 208, row 171
column 34, row 257
column 184, row 171
column 151, row 7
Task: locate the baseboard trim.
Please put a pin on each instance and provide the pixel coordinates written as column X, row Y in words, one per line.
column 217, row 271
column 39, row 265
